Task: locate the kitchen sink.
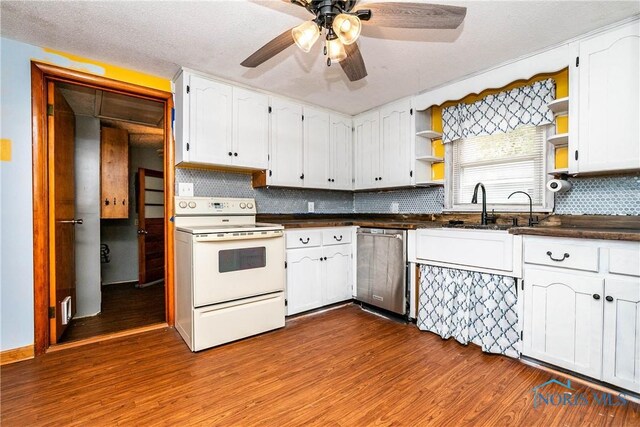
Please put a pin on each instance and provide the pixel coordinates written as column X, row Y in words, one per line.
column 480, row 226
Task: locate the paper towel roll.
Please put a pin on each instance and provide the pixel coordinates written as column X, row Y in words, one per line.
column 558, row 185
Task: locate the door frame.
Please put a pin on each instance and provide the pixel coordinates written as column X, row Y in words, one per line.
column 41, row 74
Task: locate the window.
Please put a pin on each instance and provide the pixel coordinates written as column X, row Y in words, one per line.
column 504, row 163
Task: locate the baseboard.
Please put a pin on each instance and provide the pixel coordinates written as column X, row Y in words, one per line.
column 16, row 354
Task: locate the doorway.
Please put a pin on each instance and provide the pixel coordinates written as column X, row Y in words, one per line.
column 113, row 131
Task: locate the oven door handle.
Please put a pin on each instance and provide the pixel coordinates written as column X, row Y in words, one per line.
column 230, row 236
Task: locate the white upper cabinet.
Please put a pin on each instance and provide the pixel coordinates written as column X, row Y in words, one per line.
column 317, row 148
column 210, row 118
column 250, row 129
column 367, row 150
column 220, row 125
column 341, row 173
column 286, row 165
column 609, row 102
column 397, row 133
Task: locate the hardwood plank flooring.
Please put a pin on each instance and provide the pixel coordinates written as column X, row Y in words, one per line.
column 123, row 307
column 343, row 367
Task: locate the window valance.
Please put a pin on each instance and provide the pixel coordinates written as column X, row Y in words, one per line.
column 500, row 113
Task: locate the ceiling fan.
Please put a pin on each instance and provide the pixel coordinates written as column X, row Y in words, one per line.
column 341, row 21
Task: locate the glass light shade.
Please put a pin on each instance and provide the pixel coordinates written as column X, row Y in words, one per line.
column 305, row 35
column 347, row 28
column 335, row 50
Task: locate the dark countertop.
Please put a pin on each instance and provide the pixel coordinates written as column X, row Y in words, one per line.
column 602, row 227
column 580, row 232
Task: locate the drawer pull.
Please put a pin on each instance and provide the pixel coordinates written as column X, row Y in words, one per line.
column 596, row 296
column 338, row 239
column 609, row 298
column 305, row 242
column 565, row 256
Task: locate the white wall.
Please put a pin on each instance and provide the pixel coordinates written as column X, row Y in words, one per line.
column 87, row 248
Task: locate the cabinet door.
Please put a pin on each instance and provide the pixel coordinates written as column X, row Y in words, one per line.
column 609, row 105
column 341, row 153
column 250, row 129
column 337, row 278
column 210, row 118
column 304, row 280
column 621, row 349
column 563, row 319
column 367, row 150
column 396, row 139
column 286, row 144
column 317, row 148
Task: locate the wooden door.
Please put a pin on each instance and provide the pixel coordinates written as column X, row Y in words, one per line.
column 210, row 122
column 304, row 280
column 367, row 150
column 286, row 167
column 563, row 319
column 621, row 348
column 341, row 153
column 61, row 139
column 609, row 105
column 150, row 195
column 396, row 139
column 250, row 129
column 114, row 173
column 317, row 148
column 337, row 275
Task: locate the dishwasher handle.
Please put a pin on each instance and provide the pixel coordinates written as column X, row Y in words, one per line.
column 391, row 236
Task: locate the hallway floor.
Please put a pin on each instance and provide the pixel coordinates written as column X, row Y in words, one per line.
column 123, row 307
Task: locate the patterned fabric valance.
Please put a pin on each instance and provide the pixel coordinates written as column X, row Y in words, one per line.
column 500, row 113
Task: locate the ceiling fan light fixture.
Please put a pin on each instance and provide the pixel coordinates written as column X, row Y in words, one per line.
column 305, row 35
column 335, row 50
column 347, row 28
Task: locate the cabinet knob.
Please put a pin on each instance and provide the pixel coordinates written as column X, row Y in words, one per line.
column 329, row 179
column 235, row 154
column 106, row 202
column 230, row 153
column 325, row 258
column 302, row 176
column 380, row 178
column 596, row 296
column 376, row 178
column 609, row 298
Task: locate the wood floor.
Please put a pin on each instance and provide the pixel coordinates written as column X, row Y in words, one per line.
column 342, row 367
column 123, row 307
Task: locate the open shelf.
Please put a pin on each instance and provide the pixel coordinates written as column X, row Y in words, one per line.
column 430, row 159
column 559, row 139
column 430, row 134
column 560, row 106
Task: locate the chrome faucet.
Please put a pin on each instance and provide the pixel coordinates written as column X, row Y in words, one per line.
column 532, row 221
column 484, row 201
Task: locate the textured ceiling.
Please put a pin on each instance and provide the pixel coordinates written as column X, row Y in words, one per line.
column 158, row 37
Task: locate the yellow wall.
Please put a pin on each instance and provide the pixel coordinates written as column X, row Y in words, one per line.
column 562, row 123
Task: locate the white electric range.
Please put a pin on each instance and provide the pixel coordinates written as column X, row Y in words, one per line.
column 230, row 271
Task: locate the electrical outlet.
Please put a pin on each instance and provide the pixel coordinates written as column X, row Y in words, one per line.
column 395, row 207
column 311, row 207
column 185, row 189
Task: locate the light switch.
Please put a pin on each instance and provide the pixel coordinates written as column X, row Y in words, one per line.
column 311, row 207
column 185, row 189
column 395, row 207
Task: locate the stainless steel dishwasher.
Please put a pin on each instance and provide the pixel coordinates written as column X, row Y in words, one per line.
column 382, row 268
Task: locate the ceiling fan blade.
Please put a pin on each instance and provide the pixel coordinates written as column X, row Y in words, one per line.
column 269, row 50
column 414, row 15
column 353, row 64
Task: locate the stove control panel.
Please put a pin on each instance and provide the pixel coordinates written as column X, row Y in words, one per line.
column 214, row 206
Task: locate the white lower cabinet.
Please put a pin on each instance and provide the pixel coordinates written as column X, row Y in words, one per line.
column 621, row 340
column 584, row 321
column 563, row 319
column 320, row 275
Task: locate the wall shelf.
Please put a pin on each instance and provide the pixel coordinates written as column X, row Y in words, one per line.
column 430, row 159
column 430, row 134
column 560, row 106
column 559, row 139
